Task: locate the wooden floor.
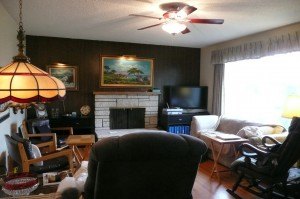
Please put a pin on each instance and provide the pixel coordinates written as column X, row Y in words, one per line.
column 210, row 188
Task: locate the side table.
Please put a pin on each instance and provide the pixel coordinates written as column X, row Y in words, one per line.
column 74, row 141
column 216, row 154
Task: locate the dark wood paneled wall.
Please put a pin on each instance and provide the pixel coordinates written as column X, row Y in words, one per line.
column 172, row 65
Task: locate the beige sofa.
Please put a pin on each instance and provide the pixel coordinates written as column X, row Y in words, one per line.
column 253, row 131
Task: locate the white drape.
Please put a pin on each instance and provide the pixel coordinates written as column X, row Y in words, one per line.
column 218, row 89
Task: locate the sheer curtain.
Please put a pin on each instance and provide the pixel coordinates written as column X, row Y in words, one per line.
column 257, row 89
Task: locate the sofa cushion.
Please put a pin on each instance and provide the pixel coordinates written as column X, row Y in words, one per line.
column 278, row 129
column 267, row 130
column 233, row 126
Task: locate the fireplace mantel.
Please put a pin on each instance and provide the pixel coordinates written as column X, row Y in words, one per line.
column 125, row 93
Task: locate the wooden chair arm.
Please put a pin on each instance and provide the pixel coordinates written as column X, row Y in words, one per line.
column 51, row 143
column 70, row 129
column 67, row 152
column 45, row 144
column 42, row 135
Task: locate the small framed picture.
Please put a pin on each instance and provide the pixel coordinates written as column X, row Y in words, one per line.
column 67, row 74
column 53, row 178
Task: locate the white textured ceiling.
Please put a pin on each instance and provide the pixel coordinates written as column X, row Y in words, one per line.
column 108, row 20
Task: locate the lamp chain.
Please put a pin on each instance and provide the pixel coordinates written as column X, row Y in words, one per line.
column 20, row 15
column 21, row 37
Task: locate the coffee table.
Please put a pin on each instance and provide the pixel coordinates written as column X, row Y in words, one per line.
column 216, row 154
column 86, row 141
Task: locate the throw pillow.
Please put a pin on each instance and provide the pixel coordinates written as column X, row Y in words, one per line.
column 26, row 143
column 43, row 129
column 265, row 130
column 37, row 154
column 278, row 129
column 248, row 132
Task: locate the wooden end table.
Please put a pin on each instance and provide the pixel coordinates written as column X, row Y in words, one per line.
column 216, row 154
column 74, row 141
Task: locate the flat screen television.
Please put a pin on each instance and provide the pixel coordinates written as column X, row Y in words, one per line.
column 186, row 97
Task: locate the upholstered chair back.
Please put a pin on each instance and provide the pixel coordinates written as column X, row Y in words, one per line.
column 289, row 150
column 144, row 165
column 13, row 149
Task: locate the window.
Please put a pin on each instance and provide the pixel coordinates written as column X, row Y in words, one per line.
column 257, row 89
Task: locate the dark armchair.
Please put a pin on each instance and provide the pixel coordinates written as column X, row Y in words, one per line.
column 144, row 165
column 270, row 170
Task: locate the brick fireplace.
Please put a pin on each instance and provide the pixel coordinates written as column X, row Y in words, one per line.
column 106, row 100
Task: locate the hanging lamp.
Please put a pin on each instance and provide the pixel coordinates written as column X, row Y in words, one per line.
column 23, row 84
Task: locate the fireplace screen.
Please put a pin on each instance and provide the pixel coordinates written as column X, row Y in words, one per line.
column 127, row 118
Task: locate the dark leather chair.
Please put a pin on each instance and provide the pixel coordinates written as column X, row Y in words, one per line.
column 144, row 165
column 270, row 171
column 20, row 152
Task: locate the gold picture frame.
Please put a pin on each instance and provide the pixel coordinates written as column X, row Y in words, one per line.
column 126, row 71
column 67, row 74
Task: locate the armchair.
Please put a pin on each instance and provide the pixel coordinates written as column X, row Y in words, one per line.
column 270, row 168
column 144, row 165
column 31, row 128
column 20, row 151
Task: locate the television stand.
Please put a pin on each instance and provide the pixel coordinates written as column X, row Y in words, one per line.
column 198, row 111
column 180, row 123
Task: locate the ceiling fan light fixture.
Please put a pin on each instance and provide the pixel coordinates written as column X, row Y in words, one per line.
column 173, row 27
column 181, row 15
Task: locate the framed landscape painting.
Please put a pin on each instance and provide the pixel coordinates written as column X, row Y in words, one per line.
column 120, row 71
column 67, row 74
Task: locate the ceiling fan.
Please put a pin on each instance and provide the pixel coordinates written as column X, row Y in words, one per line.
column 175, row 18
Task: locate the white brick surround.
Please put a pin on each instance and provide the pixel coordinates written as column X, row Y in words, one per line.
column 106, row 100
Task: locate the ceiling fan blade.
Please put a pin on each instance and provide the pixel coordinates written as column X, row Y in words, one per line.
column 136, row 15
column 186, row 10
column 150, row 26
column 185, row 31
column 207, row 21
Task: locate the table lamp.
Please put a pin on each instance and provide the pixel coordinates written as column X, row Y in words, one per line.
column 292, row 109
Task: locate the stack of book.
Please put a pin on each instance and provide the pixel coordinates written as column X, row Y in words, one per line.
column 156, row 90
column 179, row 129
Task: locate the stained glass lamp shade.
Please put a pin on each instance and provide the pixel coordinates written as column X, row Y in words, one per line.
column 23, row 84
